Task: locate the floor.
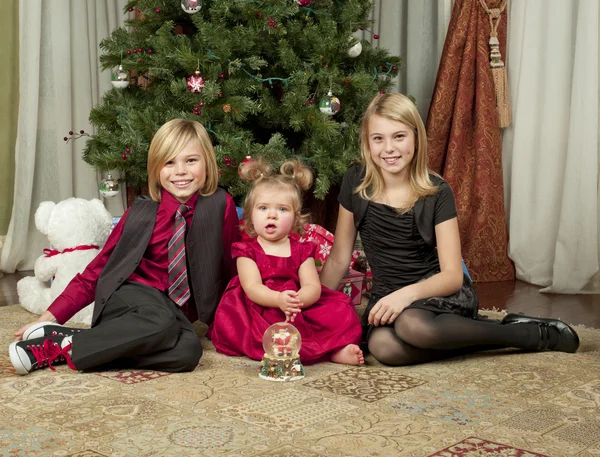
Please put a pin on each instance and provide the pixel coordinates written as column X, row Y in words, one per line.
column 512, row 296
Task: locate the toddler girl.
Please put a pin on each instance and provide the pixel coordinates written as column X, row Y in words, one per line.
column 277, row 278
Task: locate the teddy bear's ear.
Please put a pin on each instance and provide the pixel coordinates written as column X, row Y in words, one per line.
column 42, row 216
column 99, row 206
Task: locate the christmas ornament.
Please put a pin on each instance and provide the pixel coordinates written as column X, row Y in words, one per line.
column 281, row 342
column 227, row 108
column 120, row 78
column 330, row 104
column 195, row 82
column 191, row 6
column 303, row 2
column 246, row 160
column 355, row 50
column 109, row 187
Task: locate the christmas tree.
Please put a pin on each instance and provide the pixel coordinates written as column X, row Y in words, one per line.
column 269, row 78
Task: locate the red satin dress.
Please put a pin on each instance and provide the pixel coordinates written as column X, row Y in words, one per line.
column 325, row 327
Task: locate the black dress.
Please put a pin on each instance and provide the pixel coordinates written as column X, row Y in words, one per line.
column 400, row 247
column 398, row 256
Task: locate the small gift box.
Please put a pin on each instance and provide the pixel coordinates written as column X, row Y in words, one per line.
column 352, row 284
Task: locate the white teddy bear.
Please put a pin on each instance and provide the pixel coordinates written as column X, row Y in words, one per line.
column 76, row 229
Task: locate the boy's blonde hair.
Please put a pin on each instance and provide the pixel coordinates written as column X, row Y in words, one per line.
column 294, row 177
column 396, row 107
column 169, row 141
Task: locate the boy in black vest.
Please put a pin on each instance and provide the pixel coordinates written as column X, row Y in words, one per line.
column 165, row 265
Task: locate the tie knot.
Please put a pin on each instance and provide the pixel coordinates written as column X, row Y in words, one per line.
column 182, row 210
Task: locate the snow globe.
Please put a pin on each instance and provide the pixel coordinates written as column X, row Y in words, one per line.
column 281, row 342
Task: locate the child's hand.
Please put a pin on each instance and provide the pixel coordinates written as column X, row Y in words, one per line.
column 289, row 303
column 388, row 309
column 290, row 317
column 46, row 316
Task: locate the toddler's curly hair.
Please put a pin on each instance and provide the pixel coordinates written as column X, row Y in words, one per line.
column 293, row 177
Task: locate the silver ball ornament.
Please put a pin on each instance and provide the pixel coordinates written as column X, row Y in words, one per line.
column 355, row 50
column 120, row 78
column 330, row 104
column 109, row 187
column 191, row 6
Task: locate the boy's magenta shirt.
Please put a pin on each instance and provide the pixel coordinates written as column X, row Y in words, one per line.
column 152, row 270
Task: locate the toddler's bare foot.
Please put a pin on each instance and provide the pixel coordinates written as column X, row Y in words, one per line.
column 350, row 355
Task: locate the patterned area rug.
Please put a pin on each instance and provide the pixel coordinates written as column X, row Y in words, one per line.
column 507, row 404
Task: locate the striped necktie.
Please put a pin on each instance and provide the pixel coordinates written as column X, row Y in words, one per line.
column 179, row 289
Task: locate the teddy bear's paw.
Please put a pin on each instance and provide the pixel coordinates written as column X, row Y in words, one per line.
column 31, row 295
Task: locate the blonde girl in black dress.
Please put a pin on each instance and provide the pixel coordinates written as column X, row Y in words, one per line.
column 423, row 307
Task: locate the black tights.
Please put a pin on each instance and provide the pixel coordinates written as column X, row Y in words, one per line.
column 419, row 336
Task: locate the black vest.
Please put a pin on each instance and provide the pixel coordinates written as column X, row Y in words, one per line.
column 204, row 251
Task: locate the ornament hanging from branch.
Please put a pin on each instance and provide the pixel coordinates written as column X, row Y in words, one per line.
column 247, row 159
column 330, row 104
column 120, row 78
column 195, row 82
column 109, row 187
column 191, row 6
column 355, row 50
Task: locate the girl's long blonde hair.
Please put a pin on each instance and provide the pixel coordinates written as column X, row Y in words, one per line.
column 170, row 140
column 396, row 107
column 294, row 177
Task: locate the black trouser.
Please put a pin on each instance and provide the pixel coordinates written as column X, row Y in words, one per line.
column 140, row 327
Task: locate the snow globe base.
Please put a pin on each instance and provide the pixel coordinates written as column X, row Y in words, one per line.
column 281, row 368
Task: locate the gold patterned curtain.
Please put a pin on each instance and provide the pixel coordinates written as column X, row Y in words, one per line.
column 464, row 138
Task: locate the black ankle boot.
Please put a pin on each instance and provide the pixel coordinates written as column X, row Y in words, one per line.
column 567, row 341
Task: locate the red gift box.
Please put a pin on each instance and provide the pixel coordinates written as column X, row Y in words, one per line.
column 314, row 233
column 352, row 284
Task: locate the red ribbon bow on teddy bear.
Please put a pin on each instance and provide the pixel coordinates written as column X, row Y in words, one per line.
column 85, row 247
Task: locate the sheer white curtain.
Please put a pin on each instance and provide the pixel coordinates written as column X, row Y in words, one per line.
column 60, row 82
column 415, row 30
column 551, row 152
